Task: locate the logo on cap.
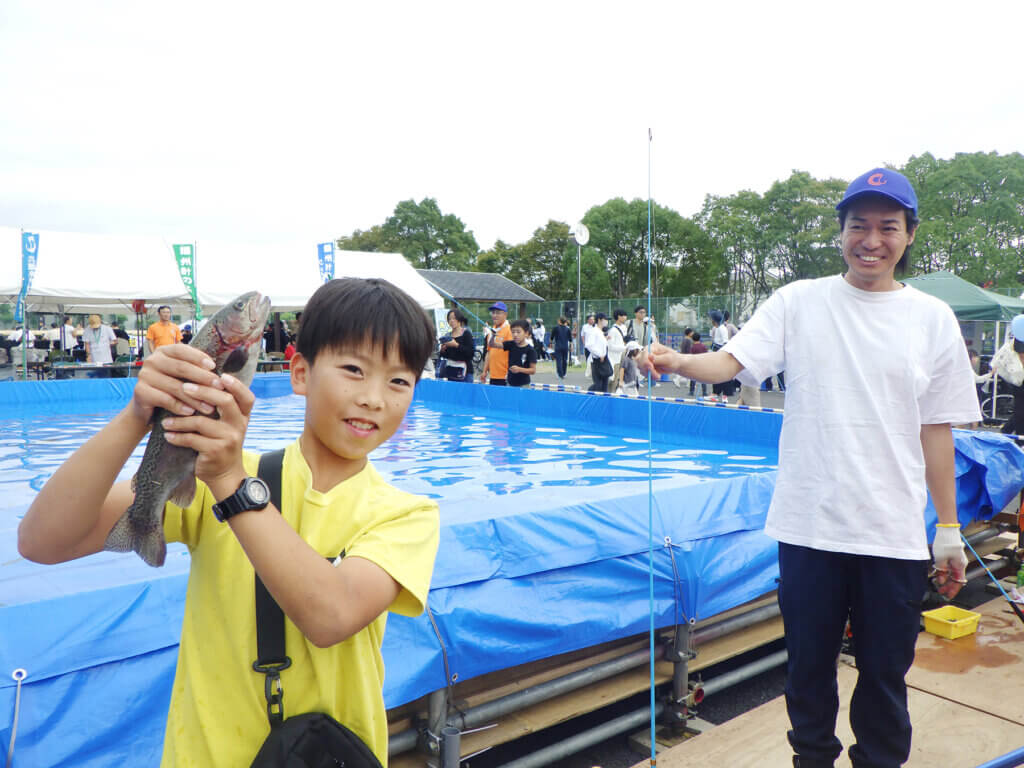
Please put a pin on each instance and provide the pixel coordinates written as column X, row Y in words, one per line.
column 876, row 180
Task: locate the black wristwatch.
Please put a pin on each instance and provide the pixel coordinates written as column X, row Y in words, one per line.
column 252, row 494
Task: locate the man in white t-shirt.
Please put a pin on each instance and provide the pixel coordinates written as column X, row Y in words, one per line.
column 877, row 372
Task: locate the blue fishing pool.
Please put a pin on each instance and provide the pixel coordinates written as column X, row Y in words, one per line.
column 548, row 509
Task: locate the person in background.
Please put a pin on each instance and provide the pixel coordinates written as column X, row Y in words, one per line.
column 162, row 332
column 698, row 348
column 1015, row 424
column 522, row 355
column 857, row 465
column 630, row 386
column 458, row 351
column 99, row 340
column 68, row 340
column 732, row 329
column 289, row 353
column 119, row 332
column 597, row 345
column 186, row 333
column 495, row 364
column 538, row 339
column 719, row 338
column 561, row 339
column 618, row 336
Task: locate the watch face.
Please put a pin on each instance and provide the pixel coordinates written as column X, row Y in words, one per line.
column 258, row 491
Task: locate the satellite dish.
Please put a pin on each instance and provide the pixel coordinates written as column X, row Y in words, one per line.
column 581, row 234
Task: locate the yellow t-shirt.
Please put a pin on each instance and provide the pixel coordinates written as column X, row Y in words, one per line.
column 218, row 713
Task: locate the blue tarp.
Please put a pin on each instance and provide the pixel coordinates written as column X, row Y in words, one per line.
column 519, row 576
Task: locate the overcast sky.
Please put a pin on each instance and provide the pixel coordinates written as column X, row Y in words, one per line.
column 302, row 121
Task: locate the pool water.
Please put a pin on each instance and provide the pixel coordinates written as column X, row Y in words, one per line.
column 452, row 456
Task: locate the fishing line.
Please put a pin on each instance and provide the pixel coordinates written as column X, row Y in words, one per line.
column 650, row 465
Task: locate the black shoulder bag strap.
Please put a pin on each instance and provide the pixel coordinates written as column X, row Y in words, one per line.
column 270, row 656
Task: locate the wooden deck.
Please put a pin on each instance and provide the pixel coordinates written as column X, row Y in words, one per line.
column 966, row 699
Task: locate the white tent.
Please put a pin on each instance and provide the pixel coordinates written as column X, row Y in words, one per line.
column 289, row 273
column 81, row 272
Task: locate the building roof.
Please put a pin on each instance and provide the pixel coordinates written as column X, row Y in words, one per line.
column 477, row 286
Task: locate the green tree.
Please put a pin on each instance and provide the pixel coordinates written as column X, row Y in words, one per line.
column 972, row 218
column 6, row 315
column 619, row 232
column 372, row 239
column 428, row 238
column 544, row 261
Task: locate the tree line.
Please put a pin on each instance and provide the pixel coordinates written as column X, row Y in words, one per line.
column 747, row 244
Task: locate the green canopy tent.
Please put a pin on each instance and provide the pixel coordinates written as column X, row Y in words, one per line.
column 969, row 302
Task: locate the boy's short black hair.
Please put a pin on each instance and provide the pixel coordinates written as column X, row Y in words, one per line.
column 162, row 307
column 600, row 316
column 696, row 336
column 638, row 308
column 524, row 324
column 687, row 331
column 618, row 312
column 351, row 311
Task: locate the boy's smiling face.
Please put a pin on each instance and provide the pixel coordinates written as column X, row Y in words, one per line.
column 355, row 400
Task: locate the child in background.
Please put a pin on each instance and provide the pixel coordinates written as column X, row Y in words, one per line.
column 630, row 374
column 522, row 357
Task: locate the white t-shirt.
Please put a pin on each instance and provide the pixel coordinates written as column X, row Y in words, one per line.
column 617, row 342
column 719, row 335
column 98, row 341
column 596, row 342
column 864, row 370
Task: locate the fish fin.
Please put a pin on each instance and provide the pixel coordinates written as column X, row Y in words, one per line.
column 127, row 536
column 185, row 492
column 236, row 360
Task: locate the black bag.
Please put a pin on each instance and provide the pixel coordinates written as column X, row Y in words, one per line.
column 311, row 740
column 314, row 740
column 604, row 367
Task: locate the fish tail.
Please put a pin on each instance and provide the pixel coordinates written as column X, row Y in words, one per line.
column 128, row 536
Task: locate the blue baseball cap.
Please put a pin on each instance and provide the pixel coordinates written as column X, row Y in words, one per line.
column 884, row 182
column 500, row 305
column 1017, row 328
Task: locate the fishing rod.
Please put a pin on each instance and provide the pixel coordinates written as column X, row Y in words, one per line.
column 1013, row 604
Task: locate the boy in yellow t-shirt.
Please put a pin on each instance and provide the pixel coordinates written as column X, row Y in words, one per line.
column 361, row 347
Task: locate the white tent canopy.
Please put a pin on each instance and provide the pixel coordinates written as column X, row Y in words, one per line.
column 80, row 272
column 289, row 273
column 103, row 272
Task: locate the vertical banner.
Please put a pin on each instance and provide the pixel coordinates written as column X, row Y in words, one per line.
column 29, row 251
column 326, row 252
column 185, row 256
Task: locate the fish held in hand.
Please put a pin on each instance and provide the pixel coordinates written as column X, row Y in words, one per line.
column 167, row 473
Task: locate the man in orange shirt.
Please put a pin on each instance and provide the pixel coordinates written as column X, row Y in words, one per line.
column 496, row 361
column 162, row 332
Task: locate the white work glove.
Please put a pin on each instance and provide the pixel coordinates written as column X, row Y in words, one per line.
column 950, row 560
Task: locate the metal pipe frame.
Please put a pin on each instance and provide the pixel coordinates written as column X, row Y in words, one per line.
column 513, row 702
column 552, row 754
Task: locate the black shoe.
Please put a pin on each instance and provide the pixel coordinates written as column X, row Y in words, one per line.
column 807, row 762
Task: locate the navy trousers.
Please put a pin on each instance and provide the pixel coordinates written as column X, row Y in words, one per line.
column 882, row 598
column 561, row 361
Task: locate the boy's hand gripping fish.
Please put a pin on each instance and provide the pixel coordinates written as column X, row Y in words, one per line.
column 232, row 338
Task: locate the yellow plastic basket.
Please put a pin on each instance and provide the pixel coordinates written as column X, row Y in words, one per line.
column 950, row 622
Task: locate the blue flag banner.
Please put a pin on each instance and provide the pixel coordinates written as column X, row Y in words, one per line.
column 29, row 252
column 326, row 251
